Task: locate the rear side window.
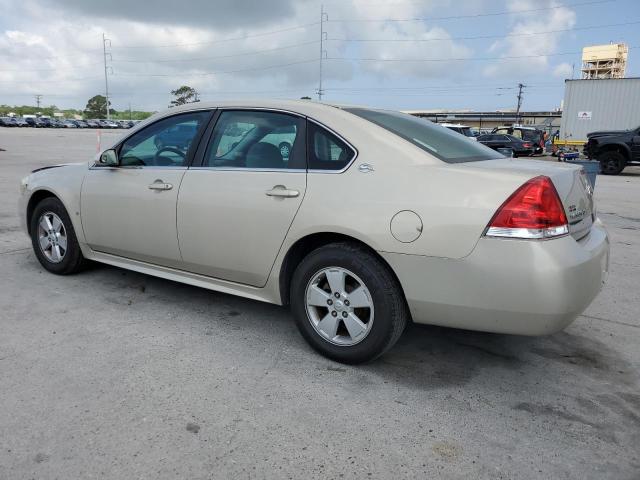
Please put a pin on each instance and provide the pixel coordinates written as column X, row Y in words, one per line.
column 257, row 140
column 440, row 142
column 325, row 150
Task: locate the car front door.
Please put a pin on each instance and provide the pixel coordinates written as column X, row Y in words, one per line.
column 235, row 208
column 635, row 146
column 130, row 210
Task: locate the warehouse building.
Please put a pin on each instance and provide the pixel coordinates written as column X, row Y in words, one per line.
column 593, row 105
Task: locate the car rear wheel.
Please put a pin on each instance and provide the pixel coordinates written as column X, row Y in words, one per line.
column 612, row 163
column 53, row 238
column 347, row 303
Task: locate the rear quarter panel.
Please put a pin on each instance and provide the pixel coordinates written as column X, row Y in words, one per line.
column 454, row 202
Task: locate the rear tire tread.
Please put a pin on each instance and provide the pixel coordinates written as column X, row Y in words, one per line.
column 366, row 264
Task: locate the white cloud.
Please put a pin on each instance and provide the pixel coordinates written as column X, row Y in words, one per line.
column 55, row 48
column 535, row 48
column 563, row 70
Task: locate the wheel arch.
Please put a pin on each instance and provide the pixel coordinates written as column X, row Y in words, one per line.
column 34, row 200
column 305, row 245
column 621, row 148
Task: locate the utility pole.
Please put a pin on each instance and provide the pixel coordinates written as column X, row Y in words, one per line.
column 130, row 118
column 106, row 78
column 520, row 87
column 323, row 36
column 38, row 98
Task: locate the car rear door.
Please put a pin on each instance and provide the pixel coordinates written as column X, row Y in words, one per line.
column 235, row 208
column 130, row 210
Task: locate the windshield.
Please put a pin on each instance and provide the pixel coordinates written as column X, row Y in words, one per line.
column 442, row 143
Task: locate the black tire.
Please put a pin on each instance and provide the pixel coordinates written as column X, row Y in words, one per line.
column 612, row 163
column 391, row 313
column 72, row 260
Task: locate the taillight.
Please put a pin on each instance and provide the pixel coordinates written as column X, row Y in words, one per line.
column 526, row 145
column 532, row 211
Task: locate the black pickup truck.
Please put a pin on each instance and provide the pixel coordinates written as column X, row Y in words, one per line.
column 614, row 149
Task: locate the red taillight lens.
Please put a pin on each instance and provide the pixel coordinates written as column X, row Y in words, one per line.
column 532, row 211
column 526, row 145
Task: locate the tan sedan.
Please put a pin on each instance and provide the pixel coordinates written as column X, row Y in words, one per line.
column 362, row 220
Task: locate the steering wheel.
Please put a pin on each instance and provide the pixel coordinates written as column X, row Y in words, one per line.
column 168, row 149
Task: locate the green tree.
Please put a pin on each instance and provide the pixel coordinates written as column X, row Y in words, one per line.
column 184, row 94
column 96, row 107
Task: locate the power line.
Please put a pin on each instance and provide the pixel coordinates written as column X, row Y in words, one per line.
column 477, row 15
column 73, row 67
column 481, row 37
column 233, row 55
column 465, row 59
column 211, row 42
column 224, row 72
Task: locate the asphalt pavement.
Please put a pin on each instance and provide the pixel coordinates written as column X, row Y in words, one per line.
column 114, row 374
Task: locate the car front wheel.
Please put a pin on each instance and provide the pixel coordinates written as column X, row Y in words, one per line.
column 347, row 303
column 612, row 163
column 53, row 238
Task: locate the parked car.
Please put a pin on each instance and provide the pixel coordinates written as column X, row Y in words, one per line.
column 180, row 136
column 80, row 123
column 7, row 122
column 521, row 148
column 68, row 124
column 530, row 134
column 461, row 129
column 47, row 122
column 35, row 122
column 93, row 123
column 614, row 149
column 20, row 122
column 375, row 219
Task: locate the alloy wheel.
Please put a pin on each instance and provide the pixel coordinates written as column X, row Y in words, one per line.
column 339, row 306
column 52, row 237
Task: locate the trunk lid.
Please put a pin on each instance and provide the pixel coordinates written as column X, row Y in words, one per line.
column 574, row 189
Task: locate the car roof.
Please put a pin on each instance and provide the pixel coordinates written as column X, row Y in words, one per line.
column 298, row 106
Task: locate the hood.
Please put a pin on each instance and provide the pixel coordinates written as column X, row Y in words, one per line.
column 48, row 167
column 606, row 133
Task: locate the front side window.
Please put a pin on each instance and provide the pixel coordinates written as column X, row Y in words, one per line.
column 325, row 150
column 257, row 140
column 165, row 143
column 442, row 143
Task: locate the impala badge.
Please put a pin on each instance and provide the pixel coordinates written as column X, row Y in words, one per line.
column 365, row 167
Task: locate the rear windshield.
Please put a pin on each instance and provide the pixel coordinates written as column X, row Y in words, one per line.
column 442, row 143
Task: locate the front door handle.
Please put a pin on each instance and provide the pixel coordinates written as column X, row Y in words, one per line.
column 282, row 191
column 160, row 185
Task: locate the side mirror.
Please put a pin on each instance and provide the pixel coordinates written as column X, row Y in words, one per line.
column 109, row 158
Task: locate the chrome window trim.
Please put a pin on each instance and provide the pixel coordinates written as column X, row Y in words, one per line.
column 306, row 117
column 349, row 144
column 244, row 169
column 139, row 167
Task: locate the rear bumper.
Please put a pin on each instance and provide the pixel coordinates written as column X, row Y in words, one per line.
column 507, row 286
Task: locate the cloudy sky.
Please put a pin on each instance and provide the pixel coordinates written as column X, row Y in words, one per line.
column 405, row 54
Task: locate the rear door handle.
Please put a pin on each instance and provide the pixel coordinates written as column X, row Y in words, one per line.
column 160, row 185
column 282, row 191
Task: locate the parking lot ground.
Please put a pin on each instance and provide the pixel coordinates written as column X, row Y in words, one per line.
column 115, row 374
